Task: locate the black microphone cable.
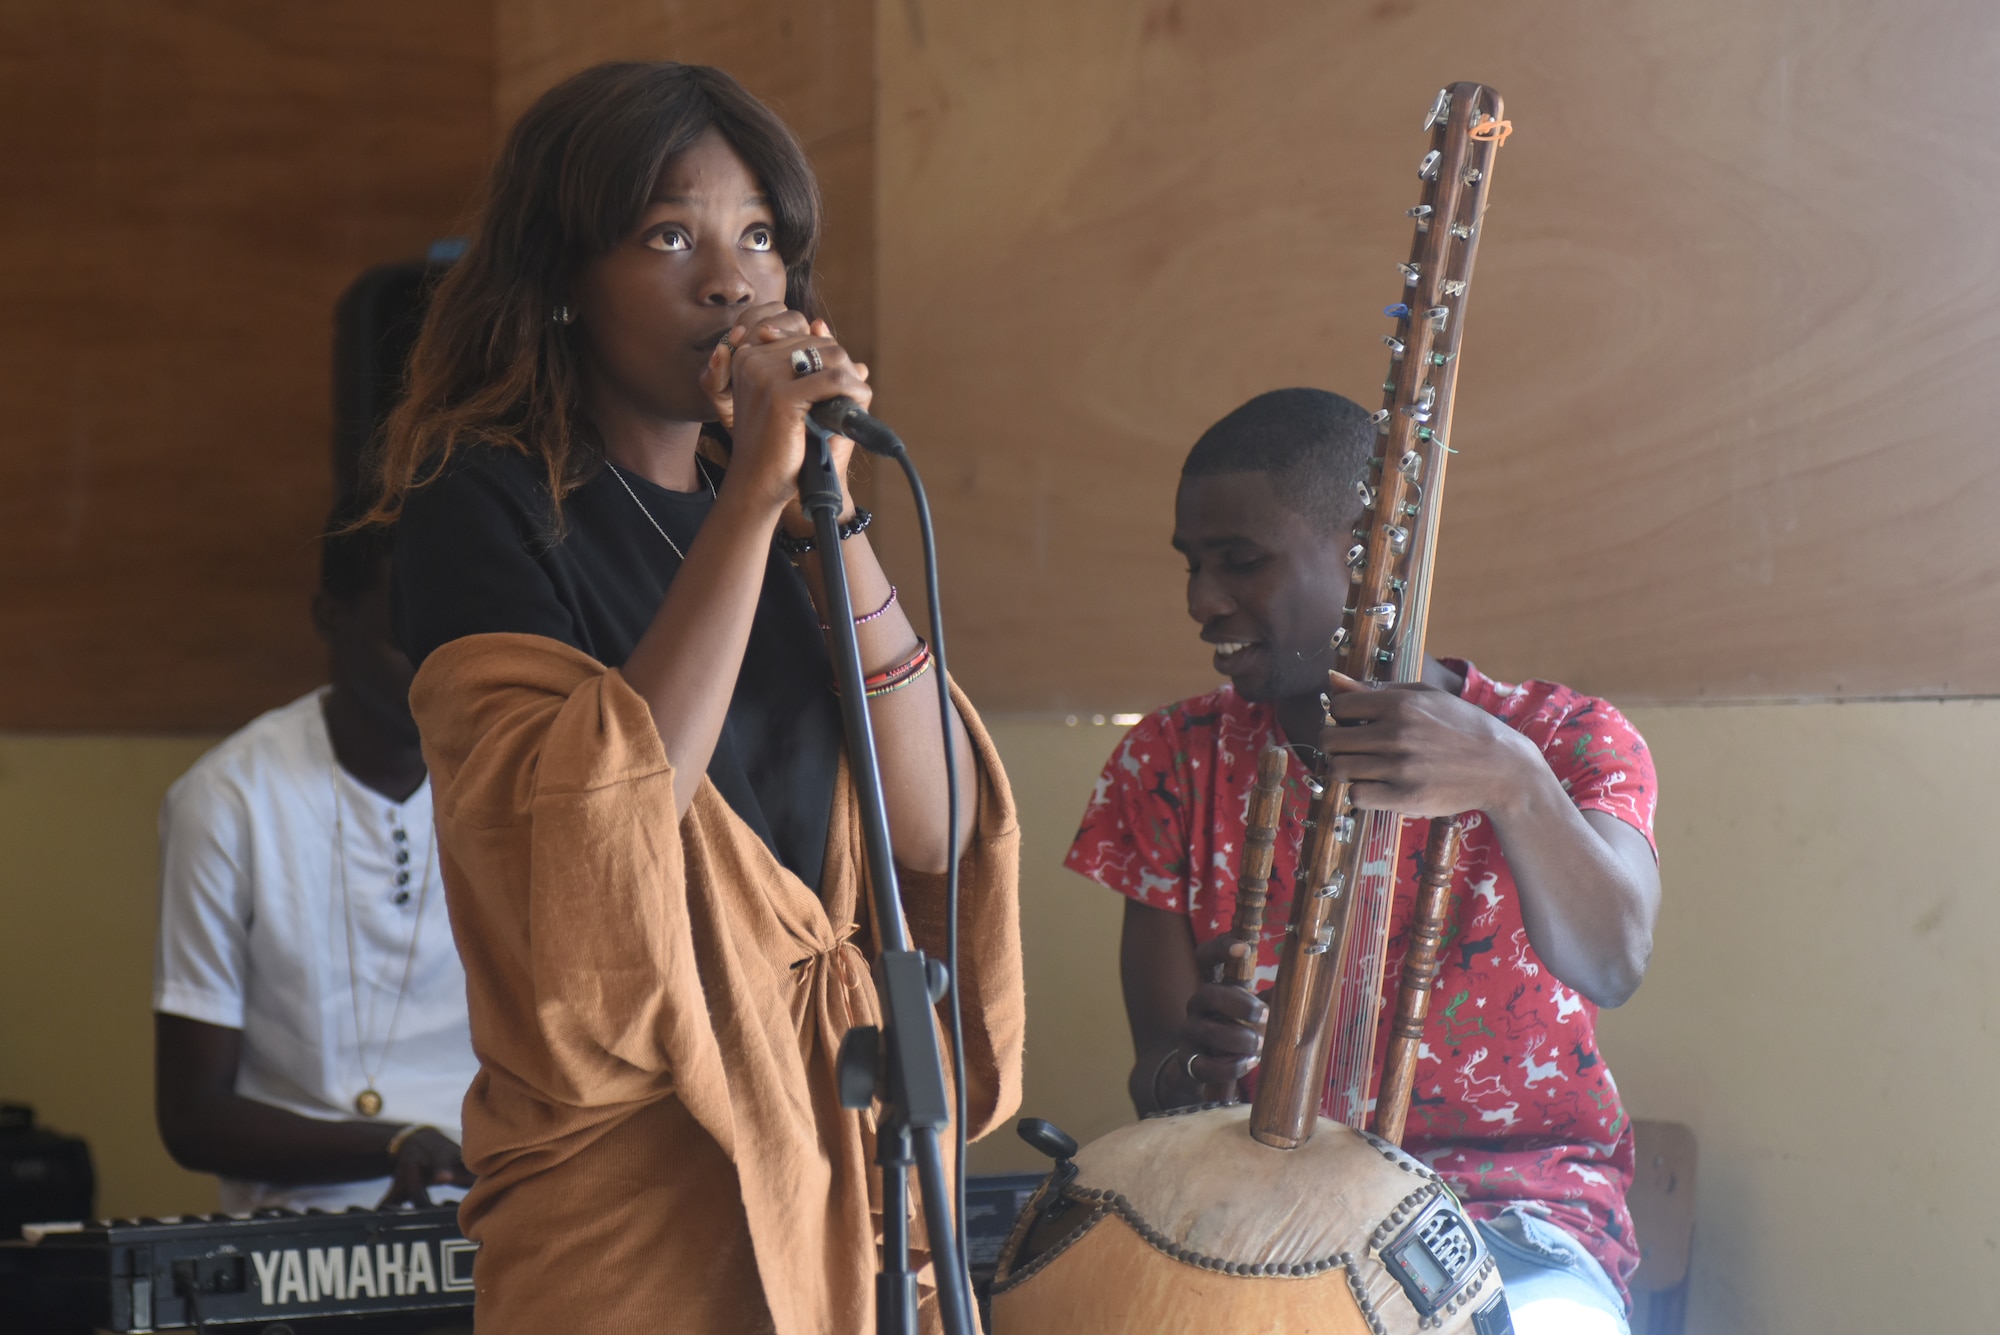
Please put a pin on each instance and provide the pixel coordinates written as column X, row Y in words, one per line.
column 946, row 712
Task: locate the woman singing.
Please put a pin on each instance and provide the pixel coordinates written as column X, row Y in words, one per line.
column 649, row 840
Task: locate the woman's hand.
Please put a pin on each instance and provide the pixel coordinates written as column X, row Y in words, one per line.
column 763, row 401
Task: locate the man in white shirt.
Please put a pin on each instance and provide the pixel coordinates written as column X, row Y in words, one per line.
column 310, row 1021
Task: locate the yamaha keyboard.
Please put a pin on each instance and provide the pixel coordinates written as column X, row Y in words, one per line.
column 408, row 1269
column 373, row 1271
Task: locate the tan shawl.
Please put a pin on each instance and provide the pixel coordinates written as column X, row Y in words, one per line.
column 657, row 1004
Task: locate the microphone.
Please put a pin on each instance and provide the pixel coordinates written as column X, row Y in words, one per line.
column 844, row 417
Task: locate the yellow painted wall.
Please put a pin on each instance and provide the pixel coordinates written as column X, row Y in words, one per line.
column 78, row 871
column 1816, row 1007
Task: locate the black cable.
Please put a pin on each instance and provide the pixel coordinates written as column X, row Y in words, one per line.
column 188, row 1274
column 945, row 713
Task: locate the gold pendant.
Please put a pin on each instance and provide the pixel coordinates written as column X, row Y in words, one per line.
column 368, row 1103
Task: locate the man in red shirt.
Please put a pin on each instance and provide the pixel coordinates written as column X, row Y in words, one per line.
column 1553, row 902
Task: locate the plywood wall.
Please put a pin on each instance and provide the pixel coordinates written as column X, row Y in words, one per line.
column 1729, row 372
column 812, row 62
column 189, row 187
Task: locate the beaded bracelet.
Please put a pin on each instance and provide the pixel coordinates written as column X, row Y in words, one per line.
column 902, row 674
column 923, row 666
column 890, row 678
column 792, row 546
column 863, row 620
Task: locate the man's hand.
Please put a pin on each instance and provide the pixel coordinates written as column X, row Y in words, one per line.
column 1424, row 752
column 425, row 1159
column 209, row 1128
column 1182, row 1014
column 1224, row 1028
column 1589, row 884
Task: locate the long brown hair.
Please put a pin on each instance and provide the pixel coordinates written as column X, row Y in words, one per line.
column 492, row 366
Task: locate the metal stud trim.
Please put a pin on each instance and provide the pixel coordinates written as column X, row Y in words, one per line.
column 1041, row 1262
column 1104, row 1203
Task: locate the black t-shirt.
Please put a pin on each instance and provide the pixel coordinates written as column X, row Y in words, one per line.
column 475, row 554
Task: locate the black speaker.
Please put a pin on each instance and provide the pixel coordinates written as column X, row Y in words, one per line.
column 375, row 325
column 44, row 1177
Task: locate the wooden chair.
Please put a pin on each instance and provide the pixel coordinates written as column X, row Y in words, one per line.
column 1662, row 1203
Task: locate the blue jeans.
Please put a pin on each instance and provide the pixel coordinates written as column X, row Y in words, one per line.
column 1554, row 1286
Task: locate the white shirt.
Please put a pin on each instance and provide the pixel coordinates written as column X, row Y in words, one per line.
column 258, row 903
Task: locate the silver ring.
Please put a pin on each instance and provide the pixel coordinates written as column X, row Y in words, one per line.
column 805, row 361
column 1192, row 1077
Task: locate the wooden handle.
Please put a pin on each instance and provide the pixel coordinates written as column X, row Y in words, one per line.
column 1253, row 880
column 1420, row 972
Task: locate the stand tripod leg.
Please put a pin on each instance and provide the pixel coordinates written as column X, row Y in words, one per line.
column 896, row 1285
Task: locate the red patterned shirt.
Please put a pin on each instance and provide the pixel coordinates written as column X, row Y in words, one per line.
column 1512, row 1102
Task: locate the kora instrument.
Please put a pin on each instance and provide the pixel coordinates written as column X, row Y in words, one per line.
column 1275, row 1217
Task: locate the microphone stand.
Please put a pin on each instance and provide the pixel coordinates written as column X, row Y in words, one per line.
column 900, row 1064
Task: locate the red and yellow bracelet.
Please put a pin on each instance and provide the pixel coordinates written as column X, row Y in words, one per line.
column 897, row 677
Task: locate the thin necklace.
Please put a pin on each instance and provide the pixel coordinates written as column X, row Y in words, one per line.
column 369, row 1101
column 619, row 473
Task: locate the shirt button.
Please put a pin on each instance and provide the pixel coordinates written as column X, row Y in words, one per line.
column 402, row 878
column 402, row 856
column 402, row 896
column 401, row 835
